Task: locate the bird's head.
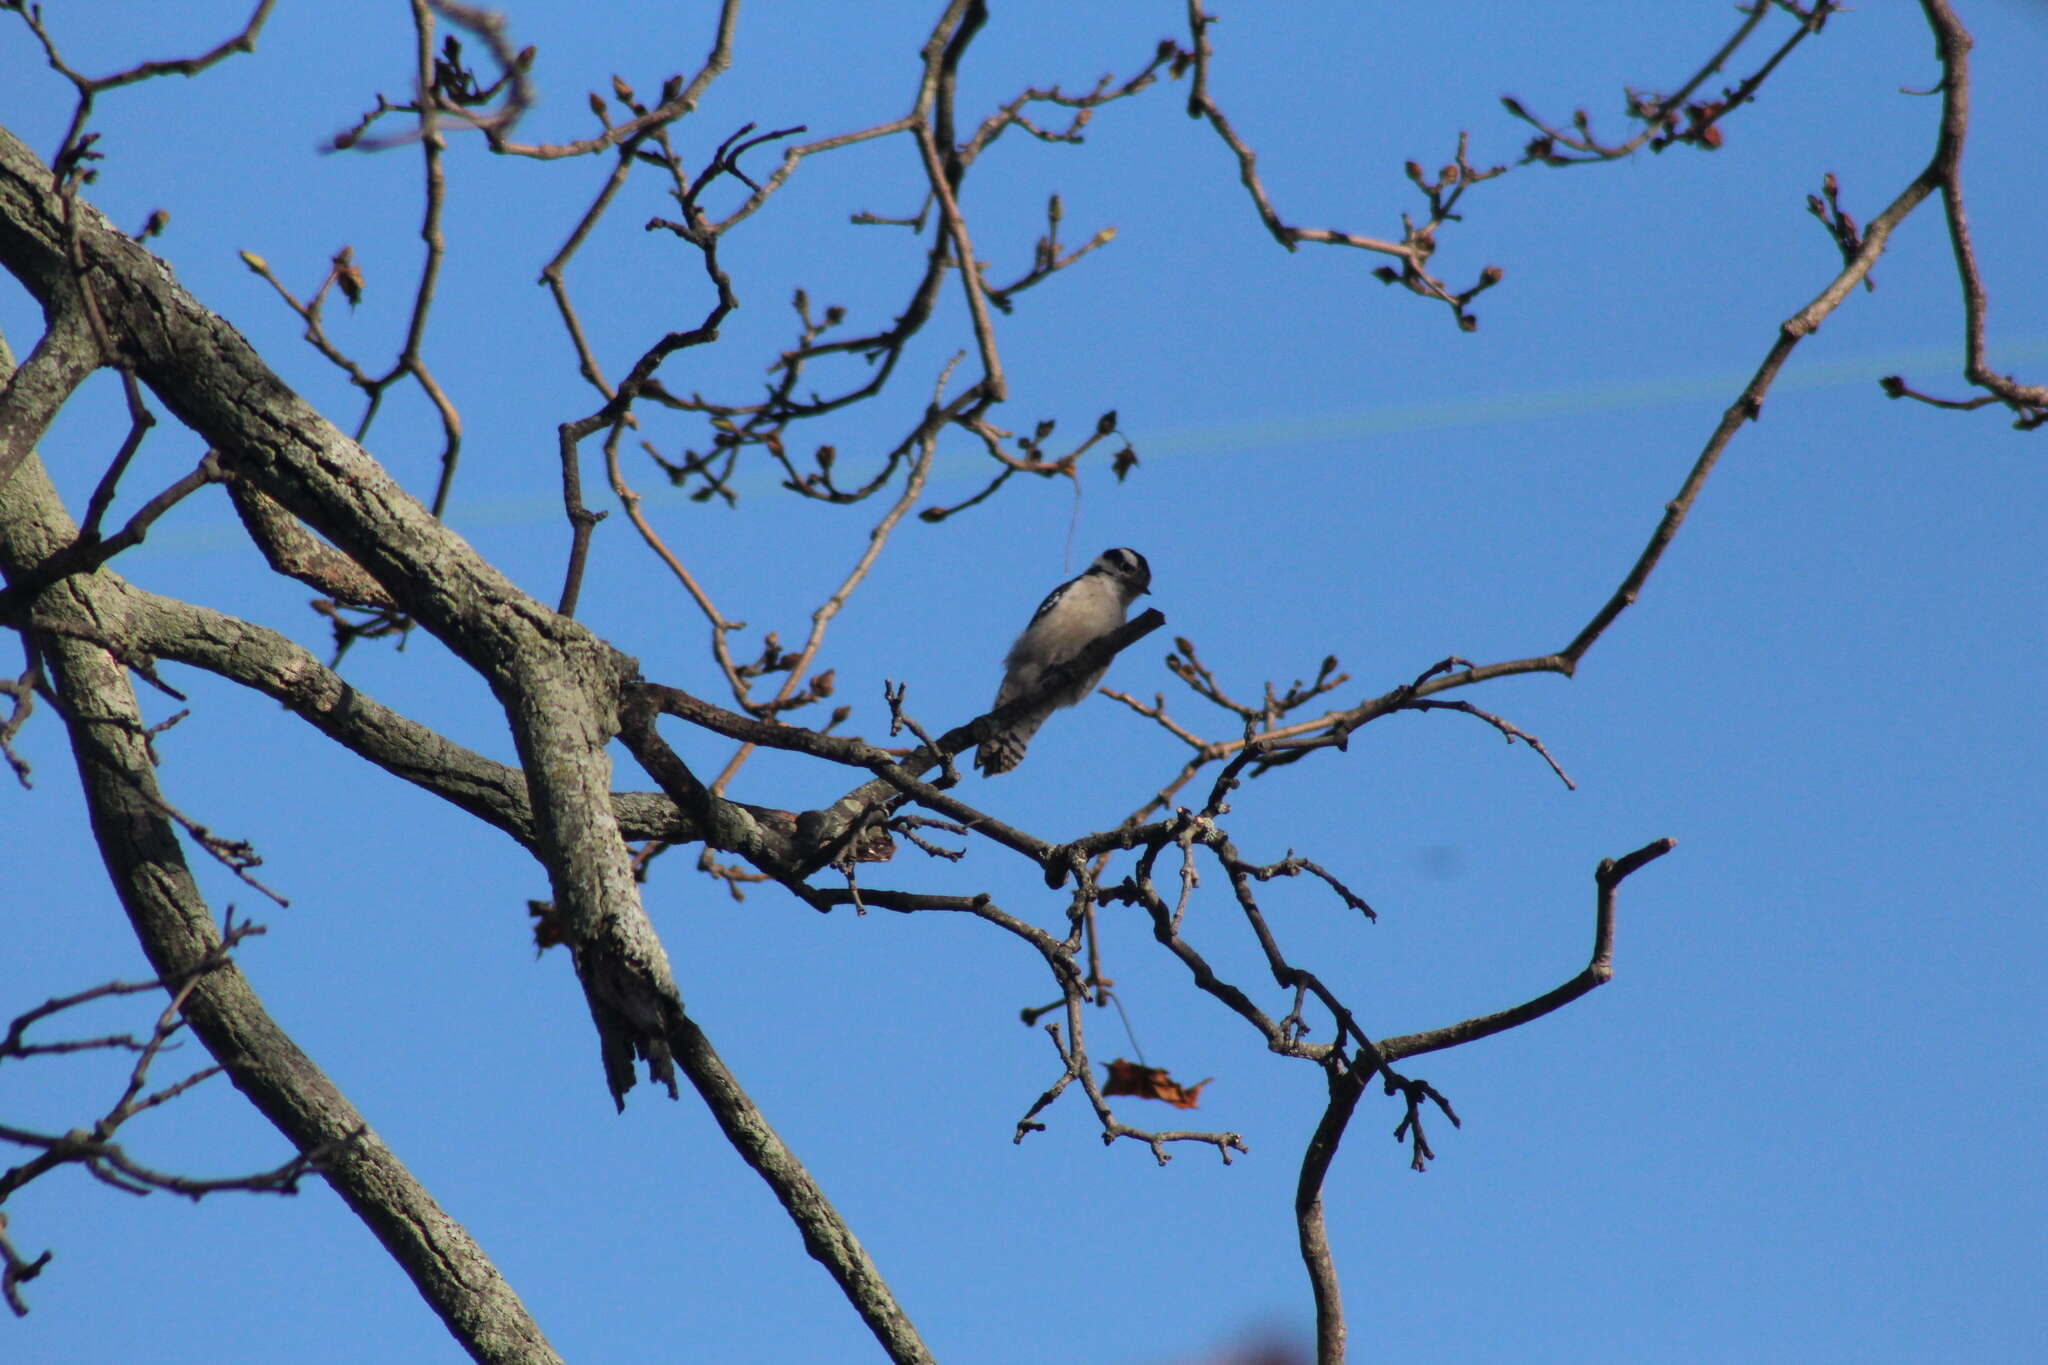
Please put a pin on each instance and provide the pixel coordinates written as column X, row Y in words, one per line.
column 1127, row 568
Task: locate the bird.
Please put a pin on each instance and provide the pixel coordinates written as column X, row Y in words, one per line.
column 1072, row 617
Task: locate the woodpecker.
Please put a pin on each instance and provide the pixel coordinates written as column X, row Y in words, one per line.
column 1073, row 616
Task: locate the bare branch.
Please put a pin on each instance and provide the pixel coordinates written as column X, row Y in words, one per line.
column 1417, row 243
column 1598, row 971
column 1675, row 118
column 2028, row 402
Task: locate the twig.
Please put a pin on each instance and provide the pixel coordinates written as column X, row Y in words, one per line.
column 1599, row 969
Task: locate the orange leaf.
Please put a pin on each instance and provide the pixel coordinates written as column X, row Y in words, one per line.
column 1152, row 1083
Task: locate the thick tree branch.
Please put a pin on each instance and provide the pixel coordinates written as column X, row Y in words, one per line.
column 826, row 1236
column 140, row 847
column 40, row 386
column 556, row 682
column 135, row 625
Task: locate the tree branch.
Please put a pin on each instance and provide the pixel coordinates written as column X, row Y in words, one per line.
column 140, row 847
column 1598, row 971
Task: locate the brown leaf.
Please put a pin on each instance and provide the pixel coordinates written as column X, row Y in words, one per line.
column 547, row 926
column 1151, row 1083
column 347, row 276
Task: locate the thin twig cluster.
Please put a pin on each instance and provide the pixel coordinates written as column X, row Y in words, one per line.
column 93, row 1146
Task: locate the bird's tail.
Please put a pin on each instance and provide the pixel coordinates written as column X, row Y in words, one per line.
column 1001, row 752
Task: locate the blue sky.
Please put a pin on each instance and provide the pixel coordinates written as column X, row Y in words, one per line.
column 1802, row 1122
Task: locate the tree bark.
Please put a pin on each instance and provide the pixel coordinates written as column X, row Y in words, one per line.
column 146, row 865
column 557, row 683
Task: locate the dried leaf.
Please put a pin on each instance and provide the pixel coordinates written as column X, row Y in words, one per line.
column 347, row 276
column 1151, row 1083
column 547, row 926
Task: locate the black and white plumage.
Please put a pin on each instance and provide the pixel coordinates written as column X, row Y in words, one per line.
column 1073, row 616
